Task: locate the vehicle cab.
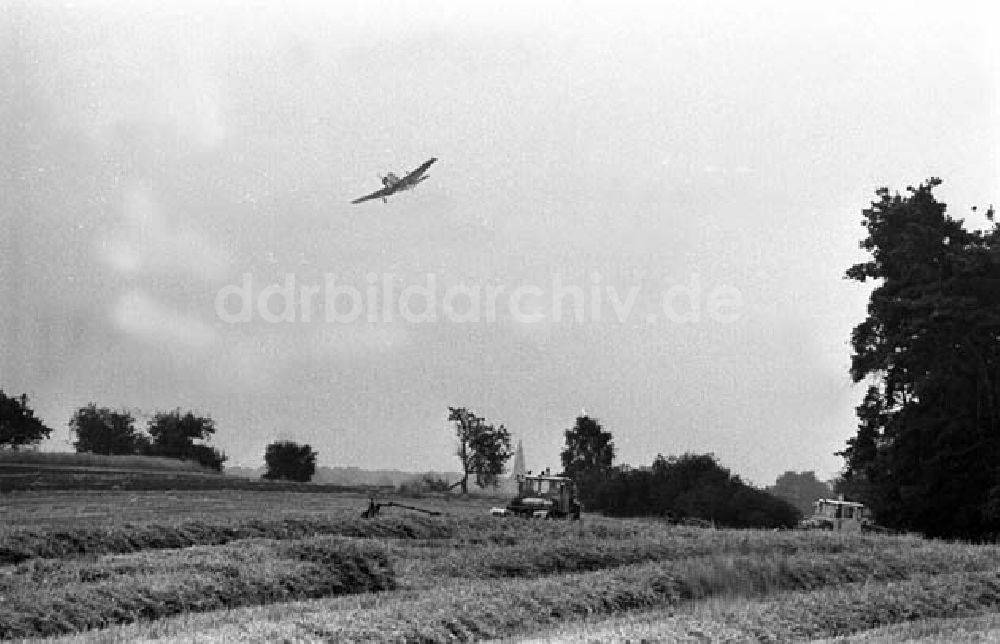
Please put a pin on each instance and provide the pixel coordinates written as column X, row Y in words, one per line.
column 839, row 515
column 545, row 496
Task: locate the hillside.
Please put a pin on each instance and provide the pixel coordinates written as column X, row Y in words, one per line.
column 351, row 475
column 70, row 471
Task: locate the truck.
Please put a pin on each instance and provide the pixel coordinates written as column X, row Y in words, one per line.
column 838, row 515
column 544, row 496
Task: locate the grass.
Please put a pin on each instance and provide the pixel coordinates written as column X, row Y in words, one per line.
column 924, row 605
column 465, row 576
column 50, row 471
column 125, row 462
column 471, row 610
column 46, row 597
column 976, row 628
column 21, row 545
column 535, row 554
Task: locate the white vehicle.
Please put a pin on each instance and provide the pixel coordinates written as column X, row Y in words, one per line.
column 838, row 515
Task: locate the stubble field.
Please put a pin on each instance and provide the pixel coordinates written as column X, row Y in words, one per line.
column 228, row 565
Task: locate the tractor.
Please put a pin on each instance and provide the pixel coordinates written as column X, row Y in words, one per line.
column 543, row 496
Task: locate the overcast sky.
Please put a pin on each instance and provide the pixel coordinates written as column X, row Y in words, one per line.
column 643, row 211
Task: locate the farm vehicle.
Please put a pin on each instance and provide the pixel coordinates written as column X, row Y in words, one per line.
column 839, row 516
column 374, row 509
column 543, row 496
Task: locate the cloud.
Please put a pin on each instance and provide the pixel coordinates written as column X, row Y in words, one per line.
column 144, row 241
column 119, row 68
column 353, row 339
column 140, row 316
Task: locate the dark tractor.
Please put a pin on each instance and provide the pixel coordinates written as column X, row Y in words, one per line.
column 543, row 496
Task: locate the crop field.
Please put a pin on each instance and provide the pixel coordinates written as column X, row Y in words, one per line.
column 238, row 565
column 54, row 471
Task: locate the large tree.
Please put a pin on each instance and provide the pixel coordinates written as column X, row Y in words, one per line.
column 482, row 448
column 588, row 456
column 801, row 490
column 185, row 436
column 291, row 461
column 588, row 448
column 100, row 430
column 18, row 425
column 927, row 450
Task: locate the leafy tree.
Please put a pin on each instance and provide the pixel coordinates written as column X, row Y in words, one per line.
column 588, row 448
column 692, row 486
column 801, row 490
column 588, row 456
column 482, row 448
column 928, row 443
column 18, row 425
column 289, row 460
column 174, row 435
column 100, row 430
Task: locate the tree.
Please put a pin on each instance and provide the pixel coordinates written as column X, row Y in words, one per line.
column 174, row 435
column 100, row 430
column 927, row 447
column 692, row 486
column 801, row 490
column 18, row 425
column 588, row 456
column 482, row 448
column 588, row 448
column 289, row 460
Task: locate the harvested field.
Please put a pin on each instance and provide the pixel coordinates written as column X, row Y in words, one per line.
column 47, row 597
column 313, row 570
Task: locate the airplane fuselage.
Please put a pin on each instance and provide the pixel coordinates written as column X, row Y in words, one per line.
column 391, row 184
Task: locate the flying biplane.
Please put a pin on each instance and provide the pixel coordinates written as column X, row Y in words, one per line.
column 394, row 184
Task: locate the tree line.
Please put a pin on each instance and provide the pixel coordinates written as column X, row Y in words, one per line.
column 168, row 434
column 691, row 486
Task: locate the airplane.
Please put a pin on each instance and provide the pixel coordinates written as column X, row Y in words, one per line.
column 394, row 184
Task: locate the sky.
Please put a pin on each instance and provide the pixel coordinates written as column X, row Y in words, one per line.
column 641, row 211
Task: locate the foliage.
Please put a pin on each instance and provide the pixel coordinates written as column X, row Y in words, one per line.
column 429, row 482
column 588, row 456
column 18, row 425
column 801, row 490
column 290, row 461
column 482, row 448
column 928, row 442
column 434, row 483
column 174, row 434
column 692, row 486
column 100, row 430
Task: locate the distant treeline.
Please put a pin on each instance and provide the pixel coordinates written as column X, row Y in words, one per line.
column 692, row 486
column 169, row 434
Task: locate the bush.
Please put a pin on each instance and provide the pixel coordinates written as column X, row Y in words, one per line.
column 290, row 461
column 691, row 486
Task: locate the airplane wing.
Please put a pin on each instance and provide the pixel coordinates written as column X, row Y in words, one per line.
column 414, row 176
column 384, row 192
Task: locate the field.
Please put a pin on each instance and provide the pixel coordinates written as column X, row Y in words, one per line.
column 246, row 565
column 38, row 471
